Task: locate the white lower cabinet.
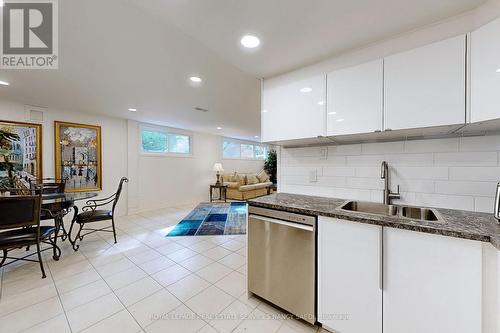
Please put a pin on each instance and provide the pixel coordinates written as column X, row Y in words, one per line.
column 349, row 276
column 374, row 279
column 432, row 283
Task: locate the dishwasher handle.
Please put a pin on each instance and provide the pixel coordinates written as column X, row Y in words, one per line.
column 284, row 223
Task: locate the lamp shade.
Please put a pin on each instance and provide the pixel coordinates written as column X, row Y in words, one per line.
column 218, row 167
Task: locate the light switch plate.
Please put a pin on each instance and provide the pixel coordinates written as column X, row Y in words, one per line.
column 313, row 176
column 323, row 153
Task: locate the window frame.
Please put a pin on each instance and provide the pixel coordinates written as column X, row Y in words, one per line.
column 167, row 131
column 244, row 142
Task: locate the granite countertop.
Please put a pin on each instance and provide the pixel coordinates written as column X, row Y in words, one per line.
column 455, row 223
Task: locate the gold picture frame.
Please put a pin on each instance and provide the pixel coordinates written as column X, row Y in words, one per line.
column 20, row 153
column 78, row 157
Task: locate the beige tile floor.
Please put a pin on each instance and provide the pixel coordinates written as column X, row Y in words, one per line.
column 145, row 283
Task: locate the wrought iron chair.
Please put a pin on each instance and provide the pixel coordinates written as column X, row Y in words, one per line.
column 20, row 219
column 91, row 214
column 52, row 186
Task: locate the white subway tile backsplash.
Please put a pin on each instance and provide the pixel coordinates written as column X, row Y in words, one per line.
column 338, row 171
column 336, row 160
column 345, row 150
column 410, row 159
column 303, row 152
column 484, row 189
column 457, row 173
column 409, row 185
column 432, row 146
column 332, row 181
column 480, row 143
column 314, row 161
column 376, row 196
column 368, row 172
column 475, row 173
column 445, row 201
column 421, row 172
column 300, row 171
column 466, row 159
column 382, row 148
column 365, row 183
column 485, row 205
column 365, row 160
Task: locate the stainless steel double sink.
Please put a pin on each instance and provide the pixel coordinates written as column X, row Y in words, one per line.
column 409, row 212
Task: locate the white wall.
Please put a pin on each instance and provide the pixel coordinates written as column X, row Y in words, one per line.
column 457, row 173
column 163, row 181
column 114, row 143
column 155, row 182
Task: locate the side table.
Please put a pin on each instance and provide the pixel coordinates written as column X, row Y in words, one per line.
column 222, row 191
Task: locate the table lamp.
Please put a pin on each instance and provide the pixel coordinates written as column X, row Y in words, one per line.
column 218, row 169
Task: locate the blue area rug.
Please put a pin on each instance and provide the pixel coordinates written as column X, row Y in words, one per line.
column 213, row 219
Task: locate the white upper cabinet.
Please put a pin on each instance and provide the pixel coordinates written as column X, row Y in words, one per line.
column 425, row 87
column 293, row 110
column 485, row 72
column 355, row 99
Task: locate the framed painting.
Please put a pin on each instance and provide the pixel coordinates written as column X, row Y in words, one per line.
column 20, row 154
column 78, row 156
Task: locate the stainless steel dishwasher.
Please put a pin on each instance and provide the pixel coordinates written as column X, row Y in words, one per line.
column 282, row 260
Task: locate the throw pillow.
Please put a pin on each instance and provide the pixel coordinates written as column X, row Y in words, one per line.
column 252, row 179
column 228, row 178
column 240, row 179
column 263, row 176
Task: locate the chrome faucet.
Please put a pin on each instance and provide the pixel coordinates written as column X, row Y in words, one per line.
column 388, row 195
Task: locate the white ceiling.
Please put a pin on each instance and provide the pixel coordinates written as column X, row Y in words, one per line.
column 118, row 54
column 114, row 56
column 297, row 32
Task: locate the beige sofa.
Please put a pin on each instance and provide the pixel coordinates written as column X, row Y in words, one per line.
column 246, row 186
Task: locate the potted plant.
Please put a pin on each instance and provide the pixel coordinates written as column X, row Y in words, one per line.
column 270, row 165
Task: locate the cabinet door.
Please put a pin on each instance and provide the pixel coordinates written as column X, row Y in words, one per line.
column 432, row 283
column 425, row 87
column 485, row 72
column 294, row 110
column 355, row 99
column 349, row 276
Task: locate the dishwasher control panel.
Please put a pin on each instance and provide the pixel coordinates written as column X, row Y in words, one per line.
column 282, row 215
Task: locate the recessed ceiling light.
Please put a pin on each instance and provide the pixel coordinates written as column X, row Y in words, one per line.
column 306, row 90
column 195, row 79
column 264, row 111
column 219, row 128
column 4, row 83
column 332, row 113
column 250, row 41
column 256, row 136
column 340, row 120
column 498, row 70
column 132, row 110
column 321, row 103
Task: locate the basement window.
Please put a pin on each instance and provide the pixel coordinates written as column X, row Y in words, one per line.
column 159, row 141
column 242, row 150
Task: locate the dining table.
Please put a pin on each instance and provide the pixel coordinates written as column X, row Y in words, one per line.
column 57, row 205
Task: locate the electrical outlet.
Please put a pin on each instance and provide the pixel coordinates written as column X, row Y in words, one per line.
column 313, row 176
column 323, row 153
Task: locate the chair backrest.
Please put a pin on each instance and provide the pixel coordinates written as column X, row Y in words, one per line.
column 119, row 191
column 50, row 185
column 20, row 210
